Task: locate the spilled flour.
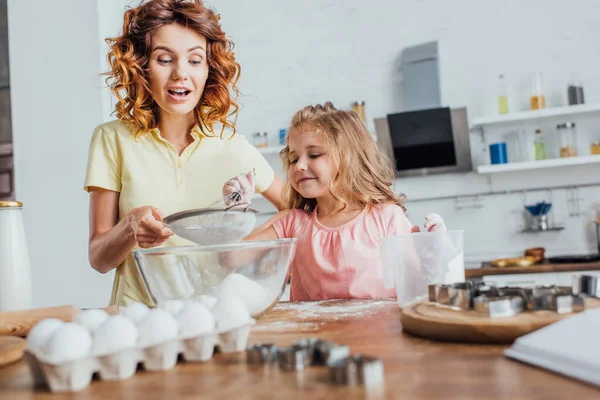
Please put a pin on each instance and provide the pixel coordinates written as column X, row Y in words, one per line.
column 334, row 309
column 287, row 326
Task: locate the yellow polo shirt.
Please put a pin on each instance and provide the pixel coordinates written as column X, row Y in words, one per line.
column 147, row 171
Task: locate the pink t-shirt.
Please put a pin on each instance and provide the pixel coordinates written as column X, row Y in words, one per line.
column 341, row 262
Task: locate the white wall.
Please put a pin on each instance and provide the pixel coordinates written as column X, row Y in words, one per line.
column 56, row 102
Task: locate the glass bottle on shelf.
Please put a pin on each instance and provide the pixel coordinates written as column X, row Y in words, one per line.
column 537, row 100
column 568, row 139
column 359, row 108
column 539, row 146
column 502, row 95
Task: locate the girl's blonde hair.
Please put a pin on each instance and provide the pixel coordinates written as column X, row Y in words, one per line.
column 365, row 173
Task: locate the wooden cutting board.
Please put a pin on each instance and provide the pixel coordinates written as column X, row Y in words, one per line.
column 11, row 349
column 18, row 323
column 428, row 320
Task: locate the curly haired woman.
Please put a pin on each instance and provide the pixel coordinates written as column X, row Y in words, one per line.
column 173, row 143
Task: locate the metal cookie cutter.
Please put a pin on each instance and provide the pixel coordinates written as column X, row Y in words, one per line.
column 586, row 285
column 356, row 370
column 498, row 307
column 455, row 295
column 567, row 304
column 261, row 354
column 294, row 358
column 326, row 352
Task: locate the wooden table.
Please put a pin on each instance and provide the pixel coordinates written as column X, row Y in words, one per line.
column 414, row 368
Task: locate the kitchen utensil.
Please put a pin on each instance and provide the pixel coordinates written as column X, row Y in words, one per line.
column 538, row 253
column 322, row 351
column 430, row 321
column 262, row 354
column 456, row 295
column 414, row 261
column 586, row 285
column 326, row 352
column 11, row 349
column 208, row 226
column 356, row 370
column 294, row 358
column 539, row 213
column 574, row 259
column 498, row 307
column 255, row 272
column 15, row 272
column 19, row 323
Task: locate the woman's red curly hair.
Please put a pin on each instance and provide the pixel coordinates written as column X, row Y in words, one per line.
column 129, row 54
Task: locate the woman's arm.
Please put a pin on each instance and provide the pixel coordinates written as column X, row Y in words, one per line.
column 111, row 240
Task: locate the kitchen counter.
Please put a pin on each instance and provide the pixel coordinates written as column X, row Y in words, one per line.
column 414, row 368
column 534, row 269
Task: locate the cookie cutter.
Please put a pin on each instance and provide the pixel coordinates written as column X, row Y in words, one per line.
column 455, row 295
column 586, row 285
column 544, row 297
column 326, row 352
column 294, row 358
column 262, row 354
column 321, row 351
column 498, row 307
column 356, row 370
column 567, row 304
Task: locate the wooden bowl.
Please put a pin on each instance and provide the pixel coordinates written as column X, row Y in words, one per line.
column 537, row 252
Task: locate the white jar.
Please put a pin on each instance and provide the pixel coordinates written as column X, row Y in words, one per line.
column 15, row 271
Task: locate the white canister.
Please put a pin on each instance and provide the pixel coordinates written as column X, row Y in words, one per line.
column 15, row 271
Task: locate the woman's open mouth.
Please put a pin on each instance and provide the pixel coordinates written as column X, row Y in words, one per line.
column 179, row 94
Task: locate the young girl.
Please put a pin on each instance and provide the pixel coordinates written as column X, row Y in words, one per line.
column 339, row 206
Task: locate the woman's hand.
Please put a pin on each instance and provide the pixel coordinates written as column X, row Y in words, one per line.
column 433, row 223
column 243, row 184
column 146, row 224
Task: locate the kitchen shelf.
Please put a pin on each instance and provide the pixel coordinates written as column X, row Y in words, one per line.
column 270, row 150
column 550, row 229
column 538, row 164
column 535, row 114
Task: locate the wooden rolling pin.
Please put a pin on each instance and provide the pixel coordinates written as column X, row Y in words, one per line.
column 18, row 323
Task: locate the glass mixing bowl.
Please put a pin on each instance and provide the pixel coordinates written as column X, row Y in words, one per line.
column 255, row 272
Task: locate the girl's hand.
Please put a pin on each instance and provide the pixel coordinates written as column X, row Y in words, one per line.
column 146, row 225
column 433, row 223
column 243, row 184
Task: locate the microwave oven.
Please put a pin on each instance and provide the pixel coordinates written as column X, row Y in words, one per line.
column 428, row 141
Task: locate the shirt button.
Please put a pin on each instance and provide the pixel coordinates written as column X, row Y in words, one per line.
column 181, row 181
column 188, row 151
column 179, row 165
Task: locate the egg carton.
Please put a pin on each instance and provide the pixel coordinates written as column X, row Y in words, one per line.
column 75, row 375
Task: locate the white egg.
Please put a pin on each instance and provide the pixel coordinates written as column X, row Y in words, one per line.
column 230, row 313
column 172, row 306
column 116, row 333
column 195, row 319
column 91, row 319
column 135, row 311
column 69, row 342
column 208, row 301
column 156, row 327
column 40, row 334
column 255, row 296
